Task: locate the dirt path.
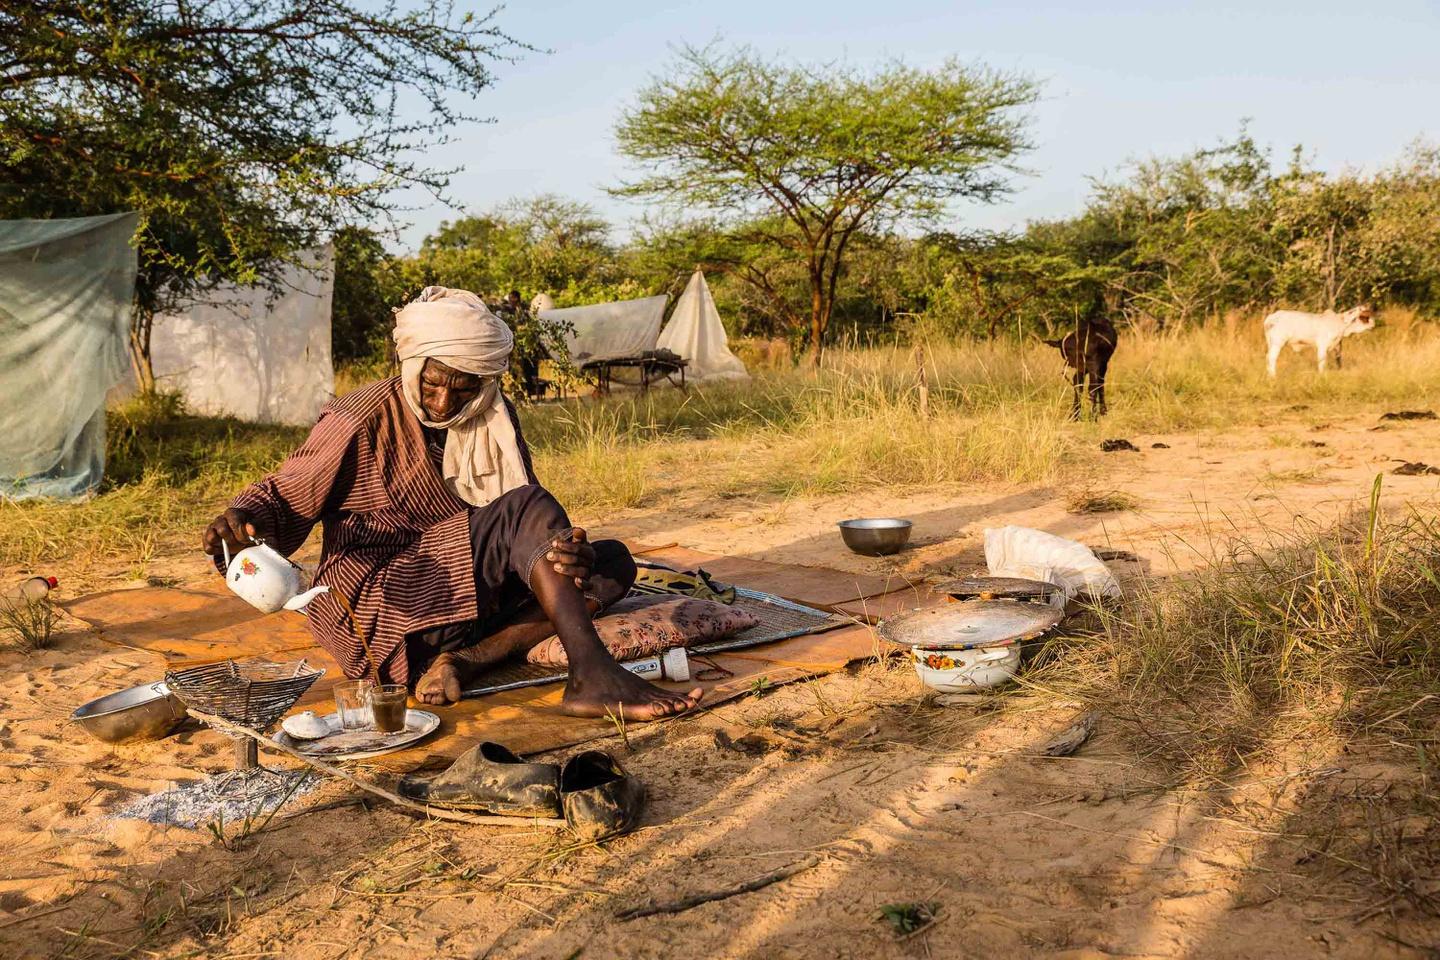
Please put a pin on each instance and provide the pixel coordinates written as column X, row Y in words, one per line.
column 1193, row 495
column 899, row 799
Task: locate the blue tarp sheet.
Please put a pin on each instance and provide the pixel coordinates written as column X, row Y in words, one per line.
column 65, row 293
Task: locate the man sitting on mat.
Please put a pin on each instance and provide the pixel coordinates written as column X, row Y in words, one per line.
column 436, row 532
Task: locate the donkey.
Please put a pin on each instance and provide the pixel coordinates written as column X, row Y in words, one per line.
column 1087, row 350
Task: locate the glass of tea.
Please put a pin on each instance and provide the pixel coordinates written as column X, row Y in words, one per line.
column 387, row 706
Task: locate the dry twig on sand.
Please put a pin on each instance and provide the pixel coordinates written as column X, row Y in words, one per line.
column 749, row 886
column 1073, row 737
column 219, row 723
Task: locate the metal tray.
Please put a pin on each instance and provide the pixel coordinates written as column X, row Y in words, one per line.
column 971, row 623
column 359, row 744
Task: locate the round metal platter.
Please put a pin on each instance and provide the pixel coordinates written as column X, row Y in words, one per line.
column 973, row 623
column 359, row 744
column 998, row 588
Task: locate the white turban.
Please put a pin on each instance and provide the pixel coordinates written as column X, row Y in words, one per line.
column 482, row 453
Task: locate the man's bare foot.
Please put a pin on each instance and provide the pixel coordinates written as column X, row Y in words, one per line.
column 441, row 683
column 608, row 689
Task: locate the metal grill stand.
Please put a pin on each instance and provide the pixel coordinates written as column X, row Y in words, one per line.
column 252, row 693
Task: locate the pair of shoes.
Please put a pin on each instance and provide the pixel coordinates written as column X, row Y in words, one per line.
column 592, row 791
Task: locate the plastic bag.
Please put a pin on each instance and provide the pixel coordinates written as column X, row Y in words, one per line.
column 1037, row 555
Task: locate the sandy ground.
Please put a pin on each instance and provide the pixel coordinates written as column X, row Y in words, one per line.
column 892, row 798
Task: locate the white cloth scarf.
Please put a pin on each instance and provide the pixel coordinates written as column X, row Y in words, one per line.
column 482, row 453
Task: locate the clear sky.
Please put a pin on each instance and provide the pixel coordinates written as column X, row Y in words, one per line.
column 1353, row 82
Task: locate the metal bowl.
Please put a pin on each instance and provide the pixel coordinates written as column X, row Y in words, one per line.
column 875, row 537
column 147, row 712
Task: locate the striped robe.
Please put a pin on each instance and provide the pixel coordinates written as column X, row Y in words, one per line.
column 396, row 540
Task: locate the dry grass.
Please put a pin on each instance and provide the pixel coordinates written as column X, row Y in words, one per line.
column 996, row 413
column 1099, row 501
column 167, row 473
column 1304, row 653
column 1336, row 633
column 28, row 625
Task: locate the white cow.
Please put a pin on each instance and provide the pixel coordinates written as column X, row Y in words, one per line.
column 1323, row 331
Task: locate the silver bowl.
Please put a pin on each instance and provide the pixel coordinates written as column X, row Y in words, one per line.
column 147, row 712
column 876, row 536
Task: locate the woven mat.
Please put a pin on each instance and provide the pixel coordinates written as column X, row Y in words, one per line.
column 205, row 622
column 780, row 619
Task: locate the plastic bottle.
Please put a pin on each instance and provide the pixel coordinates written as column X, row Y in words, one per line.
column 673, row 664
column 30, row 591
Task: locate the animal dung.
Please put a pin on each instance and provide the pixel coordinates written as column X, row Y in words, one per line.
column 1159, row 446
column 305, row 726
column 1409, row 415
column 1415, row 469
column 1117, row 444
column 1110, row 554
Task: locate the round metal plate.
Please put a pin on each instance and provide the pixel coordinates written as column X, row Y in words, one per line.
column 998, row 588
column 973, row 623
column 359, row 744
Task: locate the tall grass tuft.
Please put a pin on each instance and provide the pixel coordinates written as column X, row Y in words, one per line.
column 28, row 625
column 1336, row 633
column 600, row 465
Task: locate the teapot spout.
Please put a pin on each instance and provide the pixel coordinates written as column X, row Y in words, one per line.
column 299, row 601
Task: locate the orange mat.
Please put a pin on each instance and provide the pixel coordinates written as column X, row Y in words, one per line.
column 814, row 586
column 873, row 609
column 208, row 623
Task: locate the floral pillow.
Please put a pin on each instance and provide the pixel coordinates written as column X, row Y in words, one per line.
column 644, row 626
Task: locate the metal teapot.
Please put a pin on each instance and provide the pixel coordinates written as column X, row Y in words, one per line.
column 266, row 580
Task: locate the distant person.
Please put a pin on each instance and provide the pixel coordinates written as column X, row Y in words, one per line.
column 514, row 305
column 437, row 532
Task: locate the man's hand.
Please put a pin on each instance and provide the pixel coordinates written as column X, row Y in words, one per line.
column 573, row 557
column 233, row 527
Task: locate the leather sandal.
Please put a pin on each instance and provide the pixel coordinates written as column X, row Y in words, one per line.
column 599, row 798
column 490, row 778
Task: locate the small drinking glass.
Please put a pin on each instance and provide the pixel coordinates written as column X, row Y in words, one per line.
column 387, row 706
column 352, row 704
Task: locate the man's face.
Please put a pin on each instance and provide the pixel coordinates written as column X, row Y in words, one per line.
column 444, row 391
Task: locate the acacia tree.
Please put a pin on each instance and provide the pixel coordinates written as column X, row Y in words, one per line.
column 241, row 130
column 806, row 158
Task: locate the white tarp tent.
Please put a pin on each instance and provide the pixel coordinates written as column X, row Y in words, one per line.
column 65, row 295
column 611, row 331
column 253, row 352
column 696, row 334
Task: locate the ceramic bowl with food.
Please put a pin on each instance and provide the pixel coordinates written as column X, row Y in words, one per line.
column 961, row 671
